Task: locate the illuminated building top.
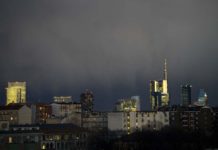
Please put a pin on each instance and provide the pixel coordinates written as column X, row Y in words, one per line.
column 16, row 92
column 159, row 95
column 131, row 104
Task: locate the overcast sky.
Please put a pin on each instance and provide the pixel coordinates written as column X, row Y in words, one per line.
column 113, row 47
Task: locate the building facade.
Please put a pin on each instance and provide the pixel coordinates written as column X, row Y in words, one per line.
column 41, row 112
column 65, row 113
column 192, row 118
column 128, row 122
column 16, row 92
column 131, row 104
column 44, row 137
column 65, row 109
column 95, row 121
column 16, row 114
column 63, row 99
column 186, row 94
column 159, row 94
column 87, row 101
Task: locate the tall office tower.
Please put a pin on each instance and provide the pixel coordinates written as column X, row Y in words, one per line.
column 202, row 98
column 159, row 95
column 86, row 100
column 186, row 94
column 16, row 92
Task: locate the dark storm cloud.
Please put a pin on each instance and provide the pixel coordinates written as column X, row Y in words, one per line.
column 113, row 47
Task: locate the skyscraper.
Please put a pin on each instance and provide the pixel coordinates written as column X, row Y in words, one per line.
column 159, row 95
column 16, row 92
column 202, row 98
column 186, row 94
column 86, row 100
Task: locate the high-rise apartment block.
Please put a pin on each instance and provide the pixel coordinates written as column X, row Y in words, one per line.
column 16, row 92
column 186, row 94
column 159, row 95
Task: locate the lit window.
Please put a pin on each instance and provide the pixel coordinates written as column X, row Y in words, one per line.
column 43, row 146
column 10, row 140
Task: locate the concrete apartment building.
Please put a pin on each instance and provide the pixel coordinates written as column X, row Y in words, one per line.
column 133, row 121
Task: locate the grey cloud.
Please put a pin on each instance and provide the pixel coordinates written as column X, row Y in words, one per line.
column 114, row 47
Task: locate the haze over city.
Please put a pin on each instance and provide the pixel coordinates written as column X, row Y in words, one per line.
column 112, row 47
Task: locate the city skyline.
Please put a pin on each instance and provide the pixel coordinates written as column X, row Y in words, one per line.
column 148, row 107
column 63, row 48
column 162, row 87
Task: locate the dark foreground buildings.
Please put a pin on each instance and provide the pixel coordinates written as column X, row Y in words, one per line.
column 47, row 136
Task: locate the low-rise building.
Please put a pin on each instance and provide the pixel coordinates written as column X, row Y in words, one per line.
column 46, row 136
column 65, row 113
column 16, row 114
column 129, row 122
column 95, row 120
column 40, row 113
column 65, row 109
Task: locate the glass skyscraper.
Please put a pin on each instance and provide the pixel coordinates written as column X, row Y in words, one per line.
column 186, row 94
column 202, row 98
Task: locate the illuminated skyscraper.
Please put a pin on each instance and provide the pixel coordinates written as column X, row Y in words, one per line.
column 159, row 95
column 16, row 92
column 186, row 94
column 202, row 98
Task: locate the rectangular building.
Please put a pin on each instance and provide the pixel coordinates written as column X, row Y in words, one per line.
column 95, row 120
column 16, row 92
column 159, row 95
column 16, row 114
column 129, row 104
column 137, row 121
column 186, row 94
column 41, row 112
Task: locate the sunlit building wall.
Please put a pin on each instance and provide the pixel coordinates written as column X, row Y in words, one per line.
column 159, row 94
column 16, row 92
column 131, row 104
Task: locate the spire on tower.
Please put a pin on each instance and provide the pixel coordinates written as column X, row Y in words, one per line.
column 165, row 69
